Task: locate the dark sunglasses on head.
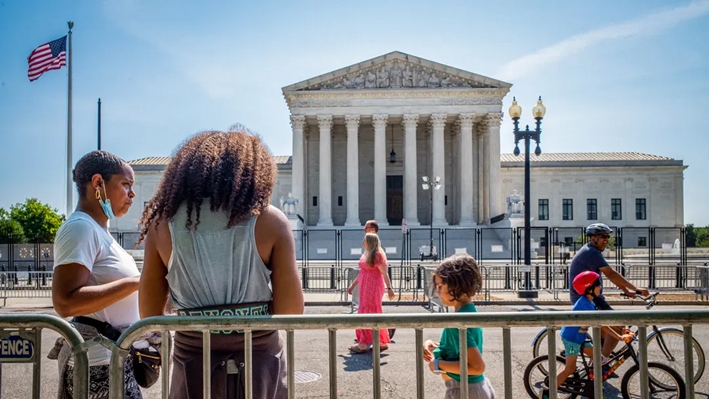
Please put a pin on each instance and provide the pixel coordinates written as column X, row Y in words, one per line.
column 606, row 236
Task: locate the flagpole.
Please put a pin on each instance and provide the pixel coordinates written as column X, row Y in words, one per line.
column 99, row 123
column 69, row 162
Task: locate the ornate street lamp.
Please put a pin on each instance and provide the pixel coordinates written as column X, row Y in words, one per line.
column 392, row 154
column 515, row 112
column 430, row 185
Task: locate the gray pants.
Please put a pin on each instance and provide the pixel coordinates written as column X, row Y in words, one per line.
column 481, row 390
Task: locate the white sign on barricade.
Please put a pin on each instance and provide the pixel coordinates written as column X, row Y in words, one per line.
column 17, row 346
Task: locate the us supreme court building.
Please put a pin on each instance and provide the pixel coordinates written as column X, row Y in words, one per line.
column 365, row 135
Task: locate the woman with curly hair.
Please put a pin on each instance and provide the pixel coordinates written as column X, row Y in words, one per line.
column 215, row 244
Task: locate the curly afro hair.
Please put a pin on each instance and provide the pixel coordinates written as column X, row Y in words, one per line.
column 234, row 171
column 461, row 274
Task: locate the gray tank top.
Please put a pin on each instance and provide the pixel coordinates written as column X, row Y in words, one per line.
column 215, row 265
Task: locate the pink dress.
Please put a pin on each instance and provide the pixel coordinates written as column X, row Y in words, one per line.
column 371, row 291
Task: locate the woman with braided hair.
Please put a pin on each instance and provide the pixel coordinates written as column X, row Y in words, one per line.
column 215, row 244
column 95, row 281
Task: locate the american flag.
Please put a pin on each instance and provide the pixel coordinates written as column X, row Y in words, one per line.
column 46, row 57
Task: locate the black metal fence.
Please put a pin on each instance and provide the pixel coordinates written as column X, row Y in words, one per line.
column 550, row 245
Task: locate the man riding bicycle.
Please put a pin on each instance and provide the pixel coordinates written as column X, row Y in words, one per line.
column 590, row 258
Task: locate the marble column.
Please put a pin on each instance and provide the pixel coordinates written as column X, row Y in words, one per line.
column 497, row 206
column 410, row 178
column 483, row 176
column 466, row 170
column 352, row 123
column 438, row 123
column 380, row 171
column 298, row 163
column 325, row 190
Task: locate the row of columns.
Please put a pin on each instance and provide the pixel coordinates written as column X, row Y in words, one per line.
column 487, row 168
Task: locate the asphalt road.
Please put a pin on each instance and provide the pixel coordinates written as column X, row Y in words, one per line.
column 354, row 372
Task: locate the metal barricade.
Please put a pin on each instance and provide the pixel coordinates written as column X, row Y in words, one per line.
column 417, row 322
column 702, row 290
column 21, row 334
column 434, row 301
column 352, row 274
column 320, row 278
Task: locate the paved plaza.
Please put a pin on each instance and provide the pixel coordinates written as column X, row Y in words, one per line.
column 354, row 372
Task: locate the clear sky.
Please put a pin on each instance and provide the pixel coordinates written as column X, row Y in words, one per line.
column 615, row 76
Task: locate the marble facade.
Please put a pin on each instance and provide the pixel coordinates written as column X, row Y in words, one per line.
column 440, row 121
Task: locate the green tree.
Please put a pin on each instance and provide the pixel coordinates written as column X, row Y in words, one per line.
column 10, row 230
column 691, row 236
column 39, row 221
column 703, row 237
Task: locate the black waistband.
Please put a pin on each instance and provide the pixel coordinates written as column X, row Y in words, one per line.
column 103, row 328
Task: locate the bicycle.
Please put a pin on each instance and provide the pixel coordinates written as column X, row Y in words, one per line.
column 662, row 379
column 665, row 345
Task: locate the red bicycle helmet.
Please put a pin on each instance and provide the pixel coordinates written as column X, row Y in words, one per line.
column 584, row 281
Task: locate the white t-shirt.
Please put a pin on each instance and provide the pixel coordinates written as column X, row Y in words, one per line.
column 81, row 240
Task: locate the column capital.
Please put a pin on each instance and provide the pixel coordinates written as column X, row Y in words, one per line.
column 438, row 120
column 411, row 120
column 325, row 121
column 482, row 129
column 493, row 120
column 352, row 122
column 466, row 121
column 380, row 121
column 457, row 128
column 297, row 121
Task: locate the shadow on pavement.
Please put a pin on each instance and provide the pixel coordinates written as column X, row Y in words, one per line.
column 361, row 362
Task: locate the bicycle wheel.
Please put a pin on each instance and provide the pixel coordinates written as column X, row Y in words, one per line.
column 664, row 382
column 536, row 376
column 667, row 347
column 541, row 347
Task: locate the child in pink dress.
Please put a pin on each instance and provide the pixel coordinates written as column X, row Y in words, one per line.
column 373, row 279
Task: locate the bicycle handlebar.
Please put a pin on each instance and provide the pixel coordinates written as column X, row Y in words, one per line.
column 650, row 300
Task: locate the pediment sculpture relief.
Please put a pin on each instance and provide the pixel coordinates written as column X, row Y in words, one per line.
column 396, row 75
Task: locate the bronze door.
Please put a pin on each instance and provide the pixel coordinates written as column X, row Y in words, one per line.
column 395, row 199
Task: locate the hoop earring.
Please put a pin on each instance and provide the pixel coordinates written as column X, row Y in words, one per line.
column 98, row 194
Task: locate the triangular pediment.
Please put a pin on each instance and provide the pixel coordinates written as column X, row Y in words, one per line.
column 396, row 70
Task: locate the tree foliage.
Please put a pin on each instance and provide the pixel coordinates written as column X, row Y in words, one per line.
column 38, row 221
column 697, row 236
column 702, row 237
column 10, row 230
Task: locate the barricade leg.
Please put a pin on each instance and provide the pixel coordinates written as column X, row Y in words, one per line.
column 37, row 366
column 332, row 354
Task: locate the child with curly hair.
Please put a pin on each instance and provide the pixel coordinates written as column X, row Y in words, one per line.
column 457, row 279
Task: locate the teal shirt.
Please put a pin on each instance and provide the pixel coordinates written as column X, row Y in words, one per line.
column 449, row 349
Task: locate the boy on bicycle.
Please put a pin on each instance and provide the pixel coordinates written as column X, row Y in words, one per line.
column 574, row 337
column 590, row 258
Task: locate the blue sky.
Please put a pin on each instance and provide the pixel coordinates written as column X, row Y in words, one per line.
column 615, row 76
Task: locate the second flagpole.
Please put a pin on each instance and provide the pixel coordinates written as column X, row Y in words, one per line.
column 69, row 162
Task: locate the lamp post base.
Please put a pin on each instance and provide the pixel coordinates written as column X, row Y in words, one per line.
column 527, row 294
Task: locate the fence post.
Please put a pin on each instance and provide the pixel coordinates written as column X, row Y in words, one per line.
column 333, row 284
